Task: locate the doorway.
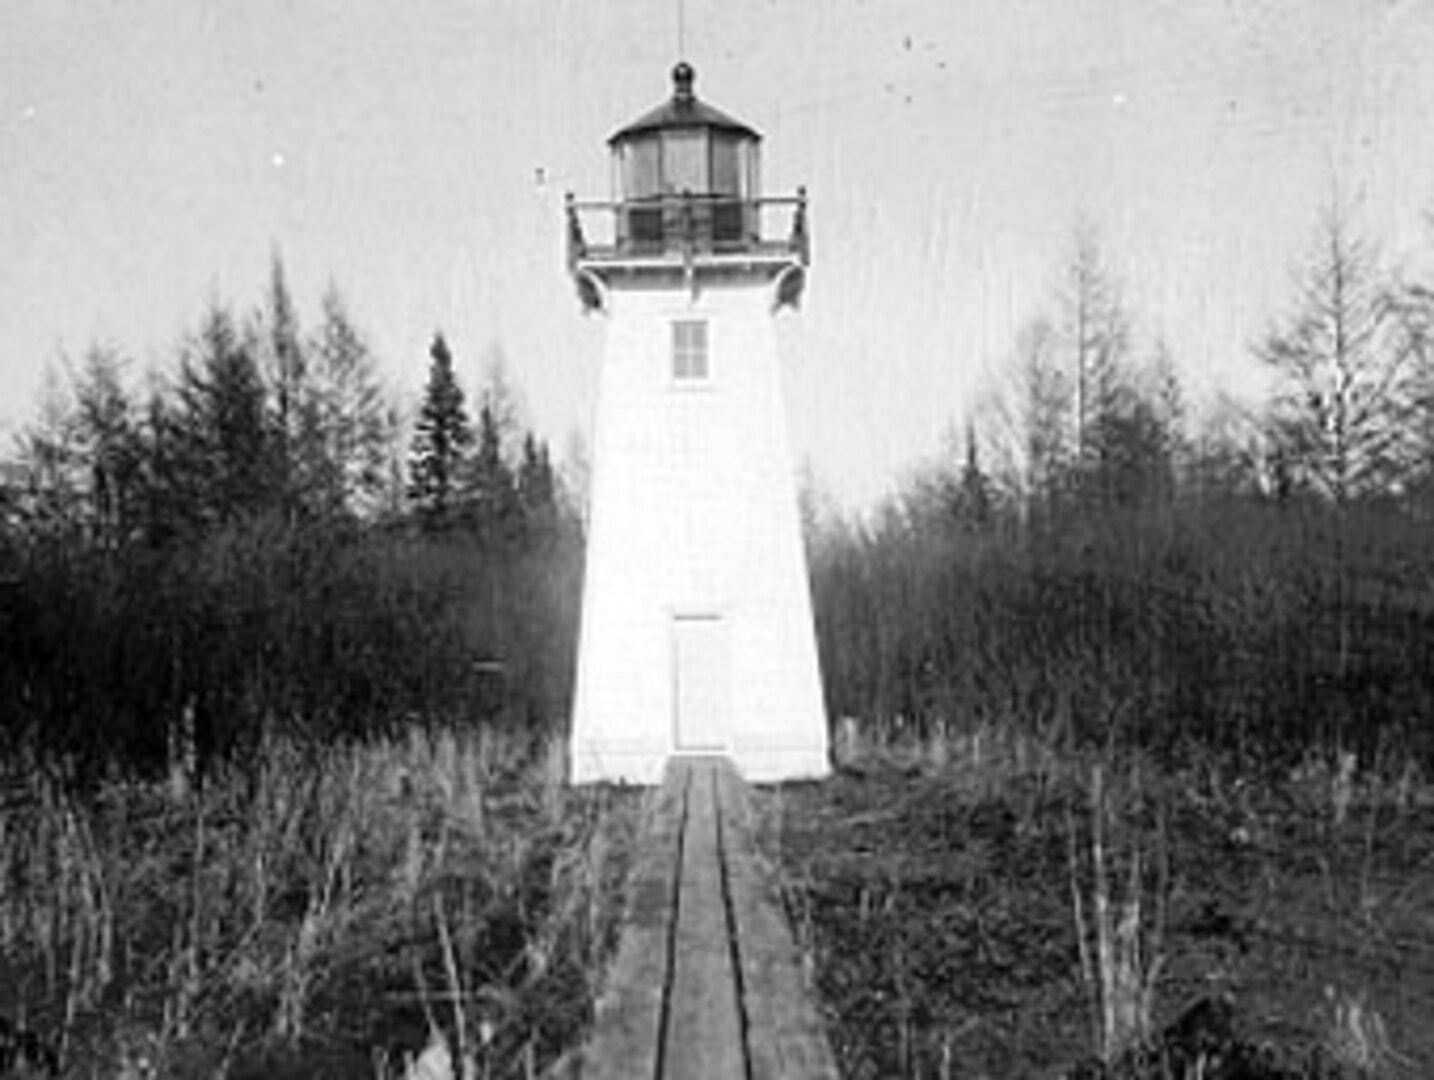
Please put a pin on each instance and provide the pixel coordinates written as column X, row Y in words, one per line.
column 702, row 682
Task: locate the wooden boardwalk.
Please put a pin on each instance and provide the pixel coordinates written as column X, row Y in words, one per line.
column 707, row 982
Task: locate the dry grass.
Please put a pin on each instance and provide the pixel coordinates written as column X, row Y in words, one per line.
column 998, row 907
column 329, row 912
column 1122, row 969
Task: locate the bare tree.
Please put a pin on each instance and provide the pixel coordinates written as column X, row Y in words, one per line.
column 1095, row 331
column 1083, row 427
column 1416, row 317
column 1046, row 414
column 1338, row 420
column 351, row 416
column 1339, row 357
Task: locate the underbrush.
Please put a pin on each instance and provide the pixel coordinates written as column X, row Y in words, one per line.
column 324, row 912
column 991, row 907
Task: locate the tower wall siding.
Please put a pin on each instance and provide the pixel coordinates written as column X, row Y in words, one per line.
column 694, row 512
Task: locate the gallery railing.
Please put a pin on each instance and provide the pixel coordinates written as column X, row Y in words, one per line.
column 684, row 227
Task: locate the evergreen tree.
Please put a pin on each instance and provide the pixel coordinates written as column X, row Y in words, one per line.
column 224, row 460
column 441, row 440
column 166, row 508
column 575, row 489
column 279, row 342
column 51, row 484
column 503, row 400
column 537, row 485
column 1131, row 463
column 1223, row 456
column 1045, row 417
column 975, row 501
column 537, row 489
column 492, row 489
column 954, row 493
column 111, row 445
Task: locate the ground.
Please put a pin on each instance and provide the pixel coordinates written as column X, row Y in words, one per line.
column 328, row 914
column 1284, row 927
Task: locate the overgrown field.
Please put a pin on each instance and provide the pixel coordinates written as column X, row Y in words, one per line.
column 323, row 913
column 988, row 908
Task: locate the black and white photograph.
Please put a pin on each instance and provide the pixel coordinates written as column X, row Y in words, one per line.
column 716, row 539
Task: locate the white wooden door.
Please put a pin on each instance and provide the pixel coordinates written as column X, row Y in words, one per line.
column 702, row 675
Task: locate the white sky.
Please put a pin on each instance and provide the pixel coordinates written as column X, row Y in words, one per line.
column 154, row 152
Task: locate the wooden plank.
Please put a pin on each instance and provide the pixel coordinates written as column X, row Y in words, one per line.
column 785, row 1035
column 628, row 1022
column 707, row 983
column 704, row 1029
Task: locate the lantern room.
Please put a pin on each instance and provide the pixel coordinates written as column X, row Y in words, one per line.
column 686, row 170
column 686, row 199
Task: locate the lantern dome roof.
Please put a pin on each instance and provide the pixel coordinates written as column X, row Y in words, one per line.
column 683, row 110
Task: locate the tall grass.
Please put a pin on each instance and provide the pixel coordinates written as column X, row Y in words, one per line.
column 324, row 911
column 1119, row 929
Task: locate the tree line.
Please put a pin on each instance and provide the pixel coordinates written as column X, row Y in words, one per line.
column 1095, row 561
column 241, row 544
column 252, row 540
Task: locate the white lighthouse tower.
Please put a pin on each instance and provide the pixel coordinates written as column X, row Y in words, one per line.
column 697, row 630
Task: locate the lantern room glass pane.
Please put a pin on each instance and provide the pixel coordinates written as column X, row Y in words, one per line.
column 727, row 165
column 684, row 162
column 642, row 169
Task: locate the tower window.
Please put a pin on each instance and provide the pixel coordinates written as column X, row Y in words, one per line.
column 689, row 350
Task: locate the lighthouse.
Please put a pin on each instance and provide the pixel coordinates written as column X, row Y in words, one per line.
column 696, row 634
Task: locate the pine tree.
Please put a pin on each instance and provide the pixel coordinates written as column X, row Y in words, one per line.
column 51, row 490
column 441, row 440
column 537, row 486
column 975, row 502
column 537, row 489
column 111, row 446
column 1223, row 460
column 278, row 340
column 502, row 399
column 492, row 487
column 1132, row 463
column 225, row 460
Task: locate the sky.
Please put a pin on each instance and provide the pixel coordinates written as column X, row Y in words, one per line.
column 155, row 153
